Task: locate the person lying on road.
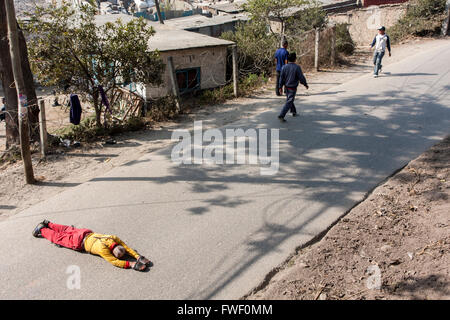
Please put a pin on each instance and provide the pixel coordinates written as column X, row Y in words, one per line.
column 109, row 247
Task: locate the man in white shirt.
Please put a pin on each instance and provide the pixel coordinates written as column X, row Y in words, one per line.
column 381, row 42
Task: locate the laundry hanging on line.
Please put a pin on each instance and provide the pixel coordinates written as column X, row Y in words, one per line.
column 75, row 109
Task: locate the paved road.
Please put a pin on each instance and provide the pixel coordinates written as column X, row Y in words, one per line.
column 216, row 231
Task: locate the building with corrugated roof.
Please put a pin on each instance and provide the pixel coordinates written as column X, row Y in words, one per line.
column 200, row 61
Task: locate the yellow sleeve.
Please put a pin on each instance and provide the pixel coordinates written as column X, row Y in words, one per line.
column 108, row 256
column 130, row 251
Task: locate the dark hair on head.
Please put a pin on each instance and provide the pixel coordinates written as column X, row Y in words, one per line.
column 292, row 57
column 285, row 43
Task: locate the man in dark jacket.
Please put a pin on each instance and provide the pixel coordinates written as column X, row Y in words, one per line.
column 290, row 77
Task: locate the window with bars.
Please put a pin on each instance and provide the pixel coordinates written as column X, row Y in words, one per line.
column 188, row 79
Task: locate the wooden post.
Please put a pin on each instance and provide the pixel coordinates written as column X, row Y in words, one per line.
column 20, row 88
column 316, row 51
column 333, row 46
column 43, row 128
column 235, row 70
column 158, row 10
column 445, row 24
column 282, row 36
column 175, row 90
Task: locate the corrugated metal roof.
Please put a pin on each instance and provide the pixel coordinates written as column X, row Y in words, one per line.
column 168, row 38
column 175, row 39
column 325, row 4
column 197, row 21
column 229, row 7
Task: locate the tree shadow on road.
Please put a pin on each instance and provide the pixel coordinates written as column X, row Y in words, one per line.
column 419, row 288
column 329, row 158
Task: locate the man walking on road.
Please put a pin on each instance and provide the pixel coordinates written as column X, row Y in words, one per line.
column 281, row 57
column 290, row 77
column 109, row 247
column 381, row 42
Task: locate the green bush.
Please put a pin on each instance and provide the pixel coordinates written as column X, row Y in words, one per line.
column 219, row 95
column 251, row 82
column 162, row 109
column 88, row 130
column 344, row 41
column 422, row 18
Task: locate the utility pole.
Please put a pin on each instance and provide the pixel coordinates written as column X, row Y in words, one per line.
column 13, row 36
column 316, row 51
column 158, row 10
column 446, row 23
column 173, row 81
column 235, row 70
column 333, row 45
column 43, row 128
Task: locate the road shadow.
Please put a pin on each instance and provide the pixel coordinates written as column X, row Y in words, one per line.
column 5, row 207
column 418, row 288
column 325, row 93
column 406, row 74
column 327, row 158
column 56, row 184
column 93, row 155
column 334, row 151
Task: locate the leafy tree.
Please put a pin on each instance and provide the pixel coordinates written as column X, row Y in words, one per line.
column 68, row 48
column 255, row 47
column 423, row 17
column 264, row 10
column 291, row 14
column 257, row 40
column 311, row 16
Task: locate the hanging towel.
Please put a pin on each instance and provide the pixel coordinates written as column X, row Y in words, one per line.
column 75, row 109
column 104, row 98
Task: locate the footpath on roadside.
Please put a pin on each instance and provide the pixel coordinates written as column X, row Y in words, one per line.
column 393, row 245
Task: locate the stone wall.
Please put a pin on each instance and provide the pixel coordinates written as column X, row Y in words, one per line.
column 364, row 22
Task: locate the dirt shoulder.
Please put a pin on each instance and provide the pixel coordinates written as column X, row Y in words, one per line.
column 67, row 168
column 401, row 232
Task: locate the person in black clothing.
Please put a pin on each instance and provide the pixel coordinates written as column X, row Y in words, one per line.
column 3, row 110
column 290, row 77
column 281, row 57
